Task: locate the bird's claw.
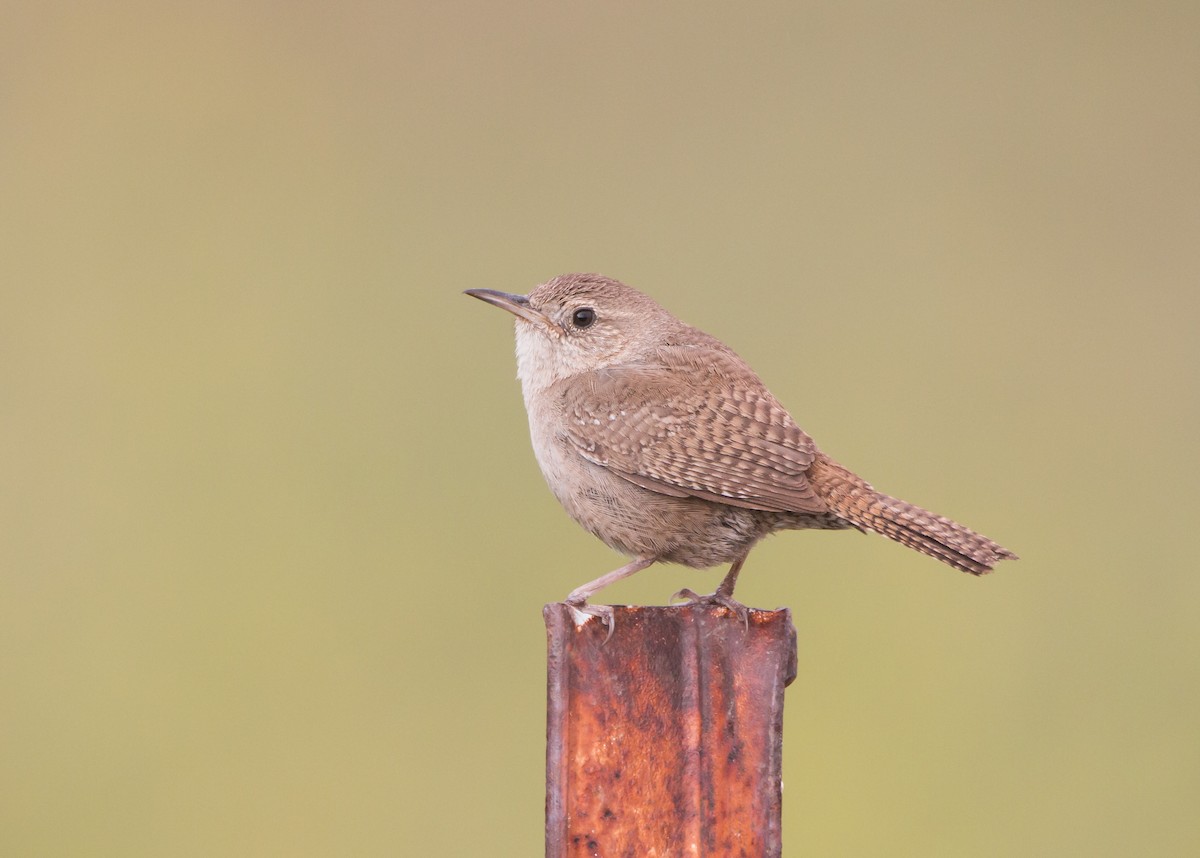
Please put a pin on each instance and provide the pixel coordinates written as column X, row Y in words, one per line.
column 731, row 604
column 604, row 613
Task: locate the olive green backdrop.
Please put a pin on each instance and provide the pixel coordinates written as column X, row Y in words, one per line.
column 274, row 545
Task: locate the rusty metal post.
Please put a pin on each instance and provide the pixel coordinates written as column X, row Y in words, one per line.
column 667, row 739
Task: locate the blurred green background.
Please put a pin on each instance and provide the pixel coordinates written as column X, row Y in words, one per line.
column 275, row 546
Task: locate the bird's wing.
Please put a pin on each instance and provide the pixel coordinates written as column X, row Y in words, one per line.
column 693, row 424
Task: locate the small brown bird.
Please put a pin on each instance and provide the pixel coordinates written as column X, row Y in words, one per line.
column 666, row 445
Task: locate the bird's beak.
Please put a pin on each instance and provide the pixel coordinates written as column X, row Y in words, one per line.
column 518, row 305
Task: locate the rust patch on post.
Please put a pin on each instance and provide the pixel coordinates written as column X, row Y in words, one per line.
column 667, row 739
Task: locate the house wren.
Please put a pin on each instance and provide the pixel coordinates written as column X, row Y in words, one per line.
column 666, row 445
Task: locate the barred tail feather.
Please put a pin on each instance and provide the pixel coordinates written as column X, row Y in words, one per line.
column 852, row 498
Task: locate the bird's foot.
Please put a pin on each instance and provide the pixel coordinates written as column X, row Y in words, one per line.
column 718, row 598
column 578, row 598
column 602, row 612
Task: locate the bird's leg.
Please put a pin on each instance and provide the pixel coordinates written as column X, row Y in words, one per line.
column 725, row 589
column 723, row 595
column 578, row 597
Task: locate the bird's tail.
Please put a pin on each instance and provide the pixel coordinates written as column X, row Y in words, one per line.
column 851, row 497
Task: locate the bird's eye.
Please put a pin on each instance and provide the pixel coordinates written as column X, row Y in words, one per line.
column 583, row 317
